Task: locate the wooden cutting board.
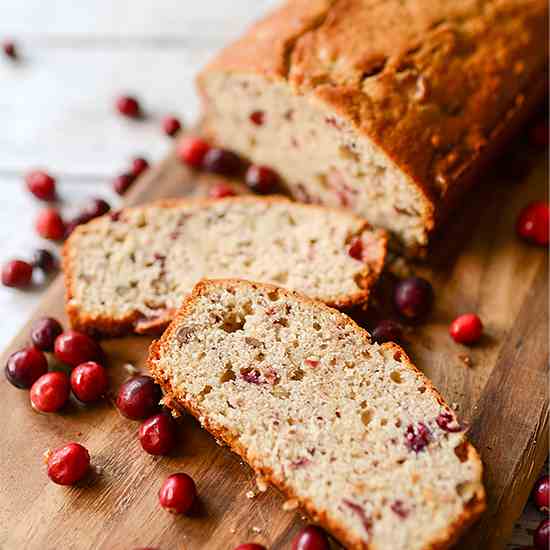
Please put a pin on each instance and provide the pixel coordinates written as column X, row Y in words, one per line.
column 479, row 266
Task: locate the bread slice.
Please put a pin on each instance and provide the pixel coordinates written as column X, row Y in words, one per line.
column 132, row 270
column 388, row 108
column 350, row 429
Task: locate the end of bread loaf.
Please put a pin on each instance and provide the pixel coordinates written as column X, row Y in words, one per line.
column 319, row 155
column 349, row 428
column 132, row 271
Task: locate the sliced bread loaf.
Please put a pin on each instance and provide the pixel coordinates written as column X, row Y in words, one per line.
column 350, row 429
column 131, row 270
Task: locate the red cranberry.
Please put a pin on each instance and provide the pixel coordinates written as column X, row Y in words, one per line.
column 122, row 183
column 8, row 47
column 355, row 249
column 533, row 221
column 538, row 134
column 257, row 118
column 177, row 493
column 541, row 537
column 541, row 493
column 157, row 434
column 387, row 331
column 466, row 329
column 222, row 161
column 41, row 185
column 261, row 179
column 139, row 166
column 128, row 106
column 50, row 225
column 448, row 423
column 171, row 126
column 73, row 348
column 250, row 546
column 310, row 538
column 43, row 259
column 413, row 297
column 89, row 381
column 44, row 332
column 138, row 398
column 25, row 367
column 95, row 208
column 68, row 464
column 192, row 151
column 50, row 392
column 417, row 438
column 221, row 190
column 17, row 274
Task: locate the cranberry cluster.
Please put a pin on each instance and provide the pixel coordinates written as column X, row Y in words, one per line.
column 50, row 391
column 50, row 225
column 199, row 154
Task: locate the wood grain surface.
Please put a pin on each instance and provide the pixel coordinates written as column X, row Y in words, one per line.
column 479, row 266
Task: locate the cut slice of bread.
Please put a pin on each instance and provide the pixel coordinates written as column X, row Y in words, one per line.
column 132, row 271
column 350, row 429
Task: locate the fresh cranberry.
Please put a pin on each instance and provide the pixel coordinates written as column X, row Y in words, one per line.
column 25, row 367
column 222, row 161
column 221, row 190
column 257, row 118
column 138, row 398
column 122, row 183
column 157, row 434
column 541, row 493
column 250, row 546
column 41, row 185
column 73, row 348
column 355, row 249
column 310, row 538
column 139, row 166
column 261, row 179
column 413, row 297
column 541, row 537
column 8, row 47
column 43, row 259
column 417, row 438
column 95, row 208
column 44, row 331
column 68, row 464
column 538, row 134
column 466, row 329
column 192, row 151
column 171, row 126
column 17, row 274
column 533, row 221
column 387, row 331
column 177, row 493
column 128, row 106
column 50, row 392
column 89, row 381
column 50, row 225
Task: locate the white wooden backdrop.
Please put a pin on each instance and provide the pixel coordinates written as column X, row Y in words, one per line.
column 56, row 107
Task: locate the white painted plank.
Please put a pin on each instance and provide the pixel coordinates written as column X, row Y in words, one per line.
column 57, row 109
column 168, row 18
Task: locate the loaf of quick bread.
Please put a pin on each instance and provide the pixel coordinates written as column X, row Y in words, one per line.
column 131, row 270
column 348, row 428
column 389, row 108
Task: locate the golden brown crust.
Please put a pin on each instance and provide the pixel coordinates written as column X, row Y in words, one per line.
column 101, row 325
column 438, row 86
column 178, row 402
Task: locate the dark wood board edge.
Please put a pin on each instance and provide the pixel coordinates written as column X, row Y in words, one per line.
column 509, row 483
